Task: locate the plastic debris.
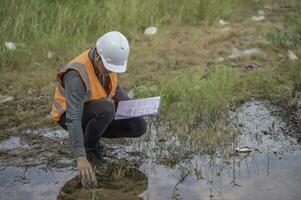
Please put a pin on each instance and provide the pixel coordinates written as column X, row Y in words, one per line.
column 251, row 66
column 243, row 150
column 4, row 99
column 268, row 7
column 291, row 55
column 251, row 51
column 150, row 30
column 226, row 29
column 246, row 52
column 131, row 94
column 260, row 13
column 10, row 45
column 50, row 54
column 258, row 18
column 235, row 53
column 220, row 59
column 223, row 23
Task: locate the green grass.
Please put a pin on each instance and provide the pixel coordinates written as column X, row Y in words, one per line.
column 290, row 35
column 68, row 27
column 285, row 39
column 193, row 97
column 175, row 63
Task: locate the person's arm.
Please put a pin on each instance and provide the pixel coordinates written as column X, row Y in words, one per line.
column 120, row 95
column 75, row 96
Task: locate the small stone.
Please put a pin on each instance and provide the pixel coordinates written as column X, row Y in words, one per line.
column 299, row 140
column 226, row 29
column 268, row 7
column 258, row 18
column 10, row 45
column 251, row 51
column 220, row 59
column 260, row 12
column 223, row 23
column 150, row 30
column 131, row 94
column 50, row 54
column 291, row 55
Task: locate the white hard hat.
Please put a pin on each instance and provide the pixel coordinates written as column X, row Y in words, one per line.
column 113, row 48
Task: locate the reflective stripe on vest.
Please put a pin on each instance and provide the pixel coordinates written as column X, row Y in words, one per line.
column 58, row 106
column 94, row 89
column 82, row 71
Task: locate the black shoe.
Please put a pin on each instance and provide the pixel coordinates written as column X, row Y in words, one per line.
column 95, row 158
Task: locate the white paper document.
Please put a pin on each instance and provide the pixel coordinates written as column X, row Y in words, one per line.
column 137, row 108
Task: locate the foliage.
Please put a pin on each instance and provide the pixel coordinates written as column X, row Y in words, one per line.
column 67, row 27
column 285, row 38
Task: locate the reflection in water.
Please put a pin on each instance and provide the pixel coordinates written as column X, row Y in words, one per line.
column 32, row 183
column 270, row 171
column 242, row 178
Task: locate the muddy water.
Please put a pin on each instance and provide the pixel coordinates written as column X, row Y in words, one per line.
column 32, row 182
column 270, row 170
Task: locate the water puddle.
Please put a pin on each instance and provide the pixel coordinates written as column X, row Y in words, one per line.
column 52, row 133
column 160, row 165
column 269, row 171
column 32, row 183
column 13, row 143
column 262, row 127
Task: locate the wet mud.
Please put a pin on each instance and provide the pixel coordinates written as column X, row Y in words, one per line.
column 263, row 163
column 115, row 180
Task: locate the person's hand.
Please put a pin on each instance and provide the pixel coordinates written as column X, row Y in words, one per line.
column 86, row 172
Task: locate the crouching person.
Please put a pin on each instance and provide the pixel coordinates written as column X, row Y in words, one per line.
column 87, row 96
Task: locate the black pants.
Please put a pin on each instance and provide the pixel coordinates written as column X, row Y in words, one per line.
column 98, row 121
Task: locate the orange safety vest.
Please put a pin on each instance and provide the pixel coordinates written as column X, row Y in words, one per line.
column 94, row 89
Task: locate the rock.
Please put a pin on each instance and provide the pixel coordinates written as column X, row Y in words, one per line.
column 10, row 45
column 268, row 7
column 260, row 13
column 226, row 29
column 131, row 94
column 291, row 55
column 220, row 59
column 246, row 52
column 235, row 53
column 299, row 140
column 50, row 54
column 4, row 99
column 251, row 51
column 223, row 23
column 258, row 18
column 150, row 30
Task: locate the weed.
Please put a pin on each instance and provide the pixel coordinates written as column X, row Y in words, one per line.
column 285, row 38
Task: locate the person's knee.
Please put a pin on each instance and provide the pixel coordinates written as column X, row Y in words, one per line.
column 104, row 110
column 140, row 128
